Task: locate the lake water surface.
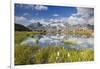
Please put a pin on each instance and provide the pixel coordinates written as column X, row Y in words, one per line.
column 67, row 41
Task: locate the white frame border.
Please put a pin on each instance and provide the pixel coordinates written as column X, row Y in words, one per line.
column 38, row 66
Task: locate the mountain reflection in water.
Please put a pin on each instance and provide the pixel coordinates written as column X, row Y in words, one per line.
column 68, row 41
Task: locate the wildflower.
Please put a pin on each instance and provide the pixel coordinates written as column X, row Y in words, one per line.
column 58, row 53
column 68, row 55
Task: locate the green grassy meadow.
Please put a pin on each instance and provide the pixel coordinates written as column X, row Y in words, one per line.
column 50, row 54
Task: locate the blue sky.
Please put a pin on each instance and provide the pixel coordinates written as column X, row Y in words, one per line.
column 27, row 13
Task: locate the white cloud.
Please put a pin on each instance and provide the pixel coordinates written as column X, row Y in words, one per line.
column 54, row 20
column 24, row 5
column 42, row 21
column 83, row 16
column 75, row 20
column 19, row 18
column 40, row 7
column 26, row 14
column 56, row 15
column 22, row 20
column 91, row 21
column 36, row 7
column 72, row 20
column 84, row 12
column 62, row 20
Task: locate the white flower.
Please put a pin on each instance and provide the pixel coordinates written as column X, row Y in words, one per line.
column 58, row 53
column 68, row 55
